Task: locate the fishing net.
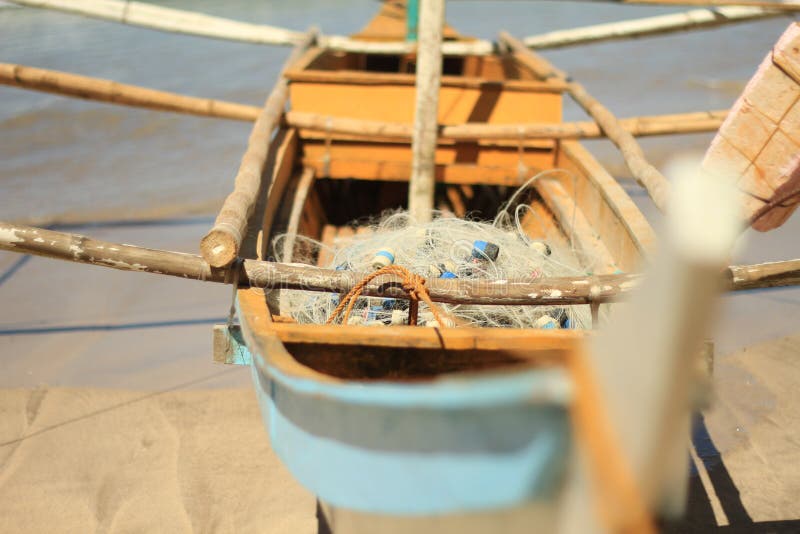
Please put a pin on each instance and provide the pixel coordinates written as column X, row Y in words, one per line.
column 446, row 247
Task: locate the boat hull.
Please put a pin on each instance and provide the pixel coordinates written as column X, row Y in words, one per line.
column 468, row 443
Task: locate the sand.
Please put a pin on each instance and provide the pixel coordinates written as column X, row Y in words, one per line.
column 113, row 417
column 755, row 421
column 81, row 460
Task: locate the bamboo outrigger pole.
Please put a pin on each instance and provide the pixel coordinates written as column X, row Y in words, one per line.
column 777, row 5
column 694, row 19
column 147, row 15
column 171, row 20
column 74, row 85
column 89, row 88
column 649, row 177
column 268, row 275
column 220, row 246
column 422, row 184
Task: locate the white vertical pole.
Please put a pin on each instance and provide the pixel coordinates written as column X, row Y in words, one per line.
column 429, row 72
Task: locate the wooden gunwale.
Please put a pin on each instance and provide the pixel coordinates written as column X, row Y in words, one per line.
column 613, row 195
column 268, row 338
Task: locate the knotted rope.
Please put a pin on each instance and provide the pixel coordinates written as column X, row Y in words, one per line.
column 413, row 285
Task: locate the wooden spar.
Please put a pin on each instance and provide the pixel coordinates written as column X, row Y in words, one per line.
column 168, row 19
column 87, row 87
column 668, row 124
column 193, row 23
column 649, row 177
column 301, row 195
column 761, row 275
column 421, row 185
column 786, row 6
column 221, row 244
column 268, row 275
column 478, row 47
column 67, row 84
column 627, row 29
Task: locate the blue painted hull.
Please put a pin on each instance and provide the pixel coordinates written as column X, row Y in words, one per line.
column 467, row 443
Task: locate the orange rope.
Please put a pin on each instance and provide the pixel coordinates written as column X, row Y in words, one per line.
column 413, row 285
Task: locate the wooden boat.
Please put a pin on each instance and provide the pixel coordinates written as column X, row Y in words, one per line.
column 412, row 428
column 411, row 421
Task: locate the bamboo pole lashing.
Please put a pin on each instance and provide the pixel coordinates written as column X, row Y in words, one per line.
column 220, row 246
column 268, row 275
column 649, row 177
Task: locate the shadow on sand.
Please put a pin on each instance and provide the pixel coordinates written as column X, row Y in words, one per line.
column 699, row 513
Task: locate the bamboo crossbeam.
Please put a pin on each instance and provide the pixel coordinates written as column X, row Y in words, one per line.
column 421, row 184
column 166, row 19
column 90, row 88
column 649, row 125
column 268, row 275
column 479, row 47
column 64, row 83
column 649, row 177
column 786, row 6
column 220, row 246
column 171, row 20
column 192, row 23
column 694, row 19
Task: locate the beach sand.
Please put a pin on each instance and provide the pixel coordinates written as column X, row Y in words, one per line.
column 82, row 460
column 113, row 418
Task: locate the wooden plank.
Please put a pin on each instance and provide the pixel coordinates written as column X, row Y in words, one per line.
column 454, row 196
column 284, row 165
column 594, row 255
column 391, row 162
column 395, row 171
column 635, row 239
column 429, row 338
column 457, row 105
column 538, row 223
column 325, row 253
column 298, row 207
column 220, row 246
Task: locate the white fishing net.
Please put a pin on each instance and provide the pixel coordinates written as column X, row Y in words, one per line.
column 446, row 247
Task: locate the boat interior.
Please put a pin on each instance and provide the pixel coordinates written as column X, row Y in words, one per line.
column 324, row 184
